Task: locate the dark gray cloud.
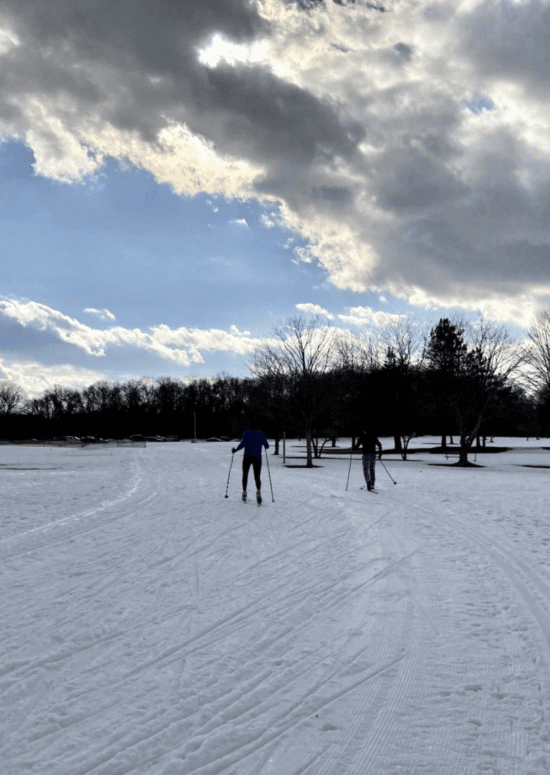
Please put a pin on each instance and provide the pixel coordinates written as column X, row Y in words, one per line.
column 264, row 117
column 509, row 40
column 412, row 180
column 417, row 129
column 135, row 61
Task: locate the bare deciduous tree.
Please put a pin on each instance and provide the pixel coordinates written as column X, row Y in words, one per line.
column 357, row 353
column 12, row 398
column 304, row 353
column 537, row 354
column 491, row 360
column 404, row 339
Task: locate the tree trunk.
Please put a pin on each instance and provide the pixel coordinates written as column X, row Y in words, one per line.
column 463, row 457
column 315, row 445
column 444, row 442
column 309, row 463
column 276, row 452
column 397, row 443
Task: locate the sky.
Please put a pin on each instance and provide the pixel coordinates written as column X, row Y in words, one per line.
column 178, row 178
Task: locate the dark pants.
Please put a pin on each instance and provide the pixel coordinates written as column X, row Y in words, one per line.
column 368, row 467
column 256, row 462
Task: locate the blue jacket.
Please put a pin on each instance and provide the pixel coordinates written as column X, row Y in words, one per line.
column 252, row 441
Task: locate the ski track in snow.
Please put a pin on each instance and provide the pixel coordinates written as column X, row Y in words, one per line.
column 153, row 627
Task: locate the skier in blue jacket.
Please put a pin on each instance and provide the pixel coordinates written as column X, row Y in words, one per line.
column 252, row 442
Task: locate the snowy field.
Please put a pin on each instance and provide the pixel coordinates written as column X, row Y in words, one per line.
column 151, row 626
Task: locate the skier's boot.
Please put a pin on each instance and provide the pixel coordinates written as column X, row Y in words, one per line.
column 244, row 496
column 258, row 497
column 369, row 486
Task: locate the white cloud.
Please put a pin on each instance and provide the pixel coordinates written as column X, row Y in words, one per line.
column 36, row 378
column 240, row 222
column 408, row 149
column 314, row 309
column 104, row 314
column 181, row 346
column 266, row 221
column 8, row 41
column 303, row 254
column 365, row 316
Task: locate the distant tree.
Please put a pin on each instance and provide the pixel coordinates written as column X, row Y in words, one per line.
column 482, row 381
column 398, row 377
column 542, row 404
column 444, row 354
column 269, row 399
column 536, row 356
column 12, row 398
column 303, row 354
column 357, row 358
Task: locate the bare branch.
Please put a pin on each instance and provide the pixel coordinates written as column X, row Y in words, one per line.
column 537, row 353
column 12, row 398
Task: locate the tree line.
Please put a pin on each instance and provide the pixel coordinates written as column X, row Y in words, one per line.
column 455, row 379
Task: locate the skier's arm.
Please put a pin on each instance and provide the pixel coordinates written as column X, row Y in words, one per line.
column 380, row 446
column 241, row 446
column 265, row 442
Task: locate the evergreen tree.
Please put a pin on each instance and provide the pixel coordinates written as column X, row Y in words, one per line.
column 445, row 354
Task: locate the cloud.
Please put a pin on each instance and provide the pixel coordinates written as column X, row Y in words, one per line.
column 314, row 309
column 37, row 378
column 365, row 316
column 406, row 147
column 181, row 346
column 240, row 222
column 104, row 314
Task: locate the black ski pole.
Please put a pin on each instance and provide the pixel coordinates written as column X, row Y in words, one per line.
column 351, row 457
column 228, row 475
column 268, row 471
column 388, row 473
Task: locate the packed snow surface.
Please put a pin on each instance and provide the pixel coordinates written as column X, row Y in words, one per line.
column 151, row 626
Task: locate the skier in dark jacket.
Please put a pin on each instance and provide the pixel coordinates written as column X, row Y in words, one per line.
column 368, row 441
column 252, row 441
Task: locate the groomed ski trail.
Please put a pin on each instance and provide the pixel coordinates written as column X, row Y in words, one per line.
column 173, row 632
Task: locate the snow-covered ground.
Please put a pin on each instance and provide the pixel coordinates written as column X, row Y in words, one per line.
column 151, row 626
